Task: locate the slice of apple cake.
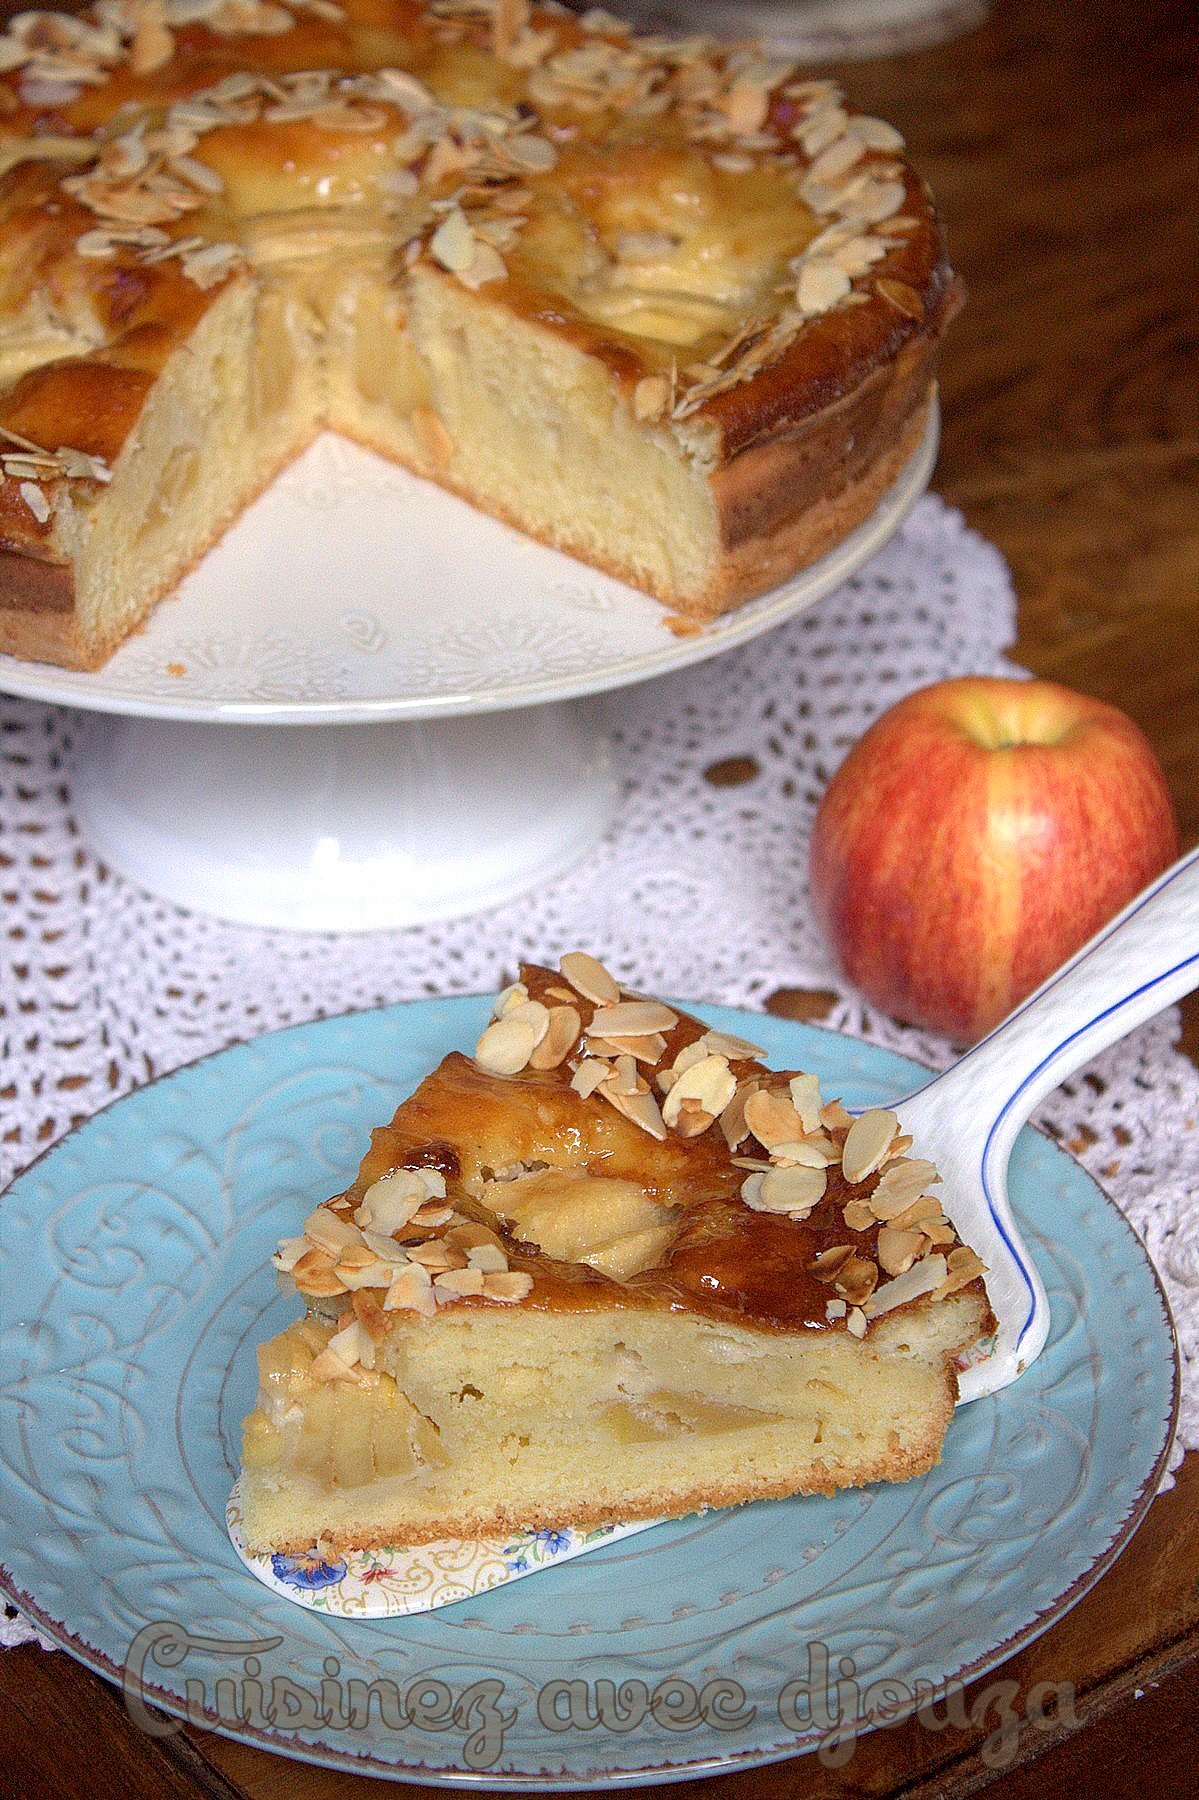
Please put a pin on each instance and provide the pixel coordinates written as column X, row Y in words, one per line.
column 608, row 1267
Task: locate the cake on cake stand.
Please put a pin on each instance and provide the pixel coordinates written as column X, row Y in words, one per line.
column 439, row 664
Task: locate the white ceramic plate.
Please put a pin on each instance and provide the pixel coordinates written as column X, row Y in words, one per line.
column 353, row 591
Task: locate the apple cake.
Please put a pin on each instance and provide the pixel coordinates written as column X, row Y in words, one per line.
column 666, row 305
column 608, row 1267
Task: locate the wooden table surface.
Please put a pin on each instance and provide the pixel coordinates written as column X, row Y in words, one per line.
column 1063, row 145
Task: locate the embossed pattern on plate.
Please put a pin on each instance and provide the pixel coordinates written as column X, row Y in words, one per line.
column 136, row 1251
column 388, row 598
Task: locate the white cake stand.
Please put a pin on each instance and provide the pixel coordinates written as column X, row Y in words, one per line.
column 440, row 662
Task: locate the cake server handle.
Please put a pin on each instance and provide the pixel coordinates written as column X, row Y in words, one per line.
column 968, row 1118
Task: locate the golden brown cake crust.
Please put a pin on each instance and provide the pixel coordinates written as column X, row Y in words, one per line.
column 776, row 334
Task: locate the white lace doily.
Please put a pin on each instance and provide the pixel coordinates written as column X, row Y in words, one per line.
column 698, row 890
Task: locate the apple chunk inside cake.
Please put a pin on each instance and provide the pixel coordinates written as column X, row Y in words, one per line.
column 608, row 1267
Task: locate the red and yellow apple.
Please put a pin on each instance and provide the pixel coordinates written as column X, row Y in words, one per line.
column 978, row 833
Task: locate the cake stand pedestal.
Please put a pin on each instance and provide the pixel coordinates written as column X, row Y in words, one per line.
column 440, row 664
column 348, row 827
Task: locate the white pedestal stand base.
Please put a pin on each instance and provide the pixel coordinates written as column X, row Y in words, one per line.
column 345, row 827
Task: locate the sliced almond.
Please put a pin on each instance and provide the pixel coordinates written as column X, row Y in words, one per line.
column 772, row 1119
column 692, row 1120
column 821, row 285
column 876, row 134
column 736, row 1049
column 922, row 1278
column 315, row 1276
column 361, row 1268
column 644, row 1049
column 324, row 1229
column 805, row 1098
column 901, row 296
column 507, row 1044
column 510, row 1286
column 898, row 1250
column 560, row 1039
column 411, row 1291
column 858, row 1214
column 856, row 1279
column 633, row 1018
column 900, row 1184
column 709, row 1082
column 827, row 1265
column 589, row 978
column 641, row 1109
column 459, row 1283
column 591, row 1074
column 963, row 1267
column 835, row 1117
column 436, row 1255
column 868, row 1142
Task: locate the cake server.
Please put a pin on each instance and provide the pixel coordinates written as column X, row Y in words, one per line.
column 967, row 1120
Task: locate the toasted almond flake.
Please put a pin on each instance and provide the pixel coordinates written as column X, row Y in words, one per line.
column 436, row 1255
column 561, row 1036
column 922, row 1278
column 876, row 134
column 506, row 1046
column 508, row 1286
column 453, row 244
column 963, row 1268
column 589, row 978
column 805, row 1098
column 904, row 298
column 900, row 1146
column 772, row 1119
column 835, row 1117
column 857, row 1322
column 324, row 1229
column 868, row 1142
column 692, row 1120
column 821, row 128
column 369, row 1315
column 835, row 1309
column 857, row 1279
column 314, row 1275
column 534, row 154
column 411, row 1291
column 633, row 1018
column 391, row 1202
column 624, row 1078
column 328, row 1366
column 900, row 1184
column 837, row 159
column 827, row 1263
column 515, row 994
column 486, row 265
column 923, row 1212
column 35, row 500
column 431, row 1215
column 488, row 1257
column 723, row 1043
column 821, row 285
column 858, row 1213
column 591, row 1073
column 872, row 202
column 691, row 1054
column 790, row 1190
column 808, row 1153
column 709, row 1082
column 898, row 1250
column 641, row 1109
column 458, row 1283
column 361, row 1268
column 290, row 1250
column 939, row 1231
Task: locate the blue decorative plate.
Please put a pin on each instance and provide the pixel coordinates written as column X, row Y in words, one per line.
column 133, row 1261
